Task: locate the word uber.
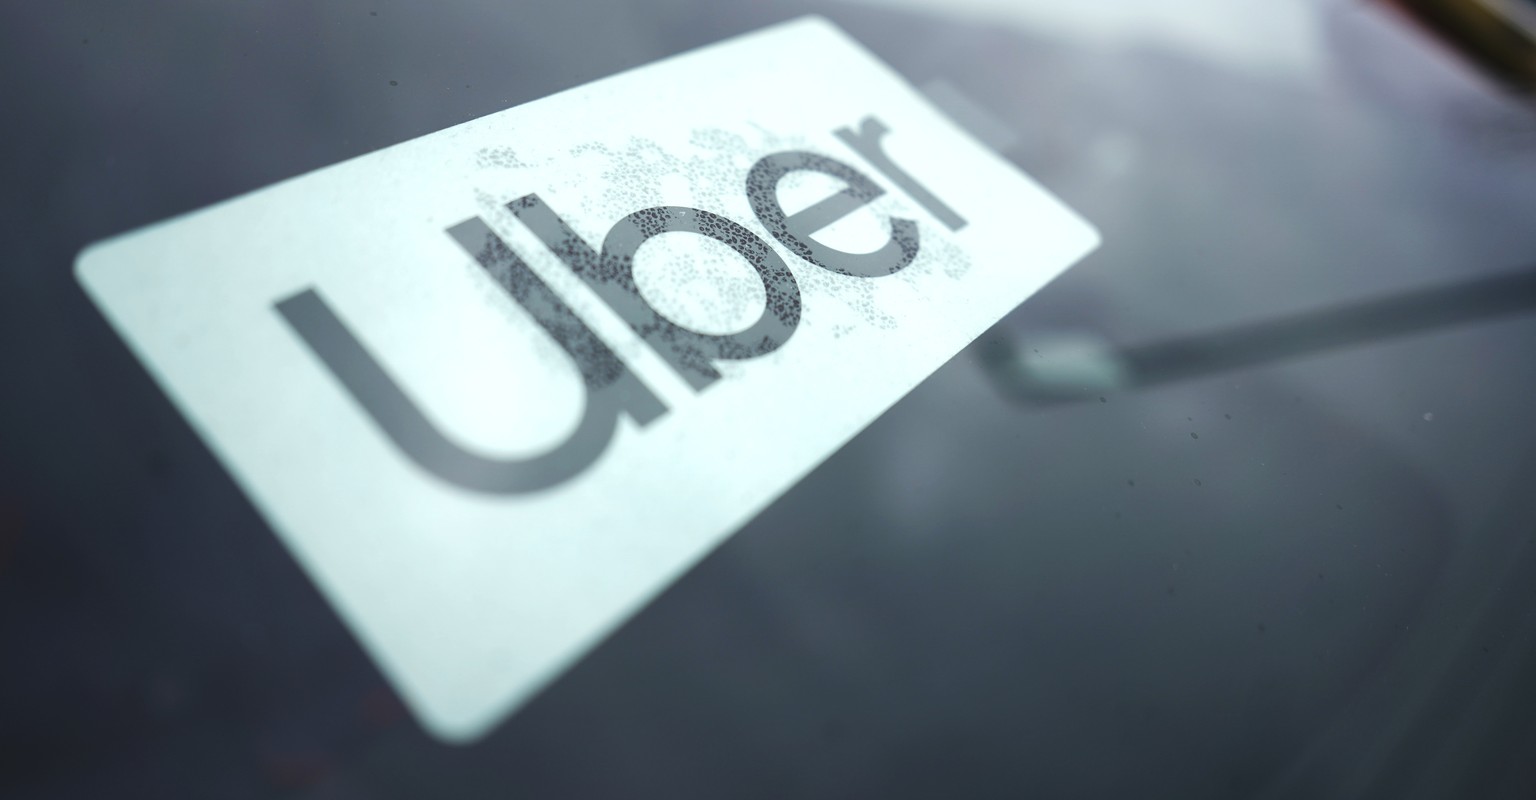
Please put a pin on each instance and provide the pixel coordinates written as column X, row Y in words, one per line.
column 611, row 388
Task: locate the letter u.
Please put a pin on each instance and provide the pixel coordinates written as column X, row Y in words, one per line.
column 611, row 388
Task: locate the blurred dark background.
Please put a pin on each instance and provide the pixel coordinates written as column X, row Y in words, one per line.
column 1304, row 570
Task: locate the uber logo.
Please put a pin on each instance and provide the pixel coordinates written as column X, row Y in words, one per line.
column 611, row 388
column 479, row 389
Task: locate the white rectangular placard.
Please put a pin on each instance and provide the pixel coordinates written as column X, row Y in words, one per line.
column 497, row 387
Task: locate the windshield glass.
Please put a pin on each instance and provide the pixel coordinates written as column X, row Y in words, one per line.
column 1238, row 506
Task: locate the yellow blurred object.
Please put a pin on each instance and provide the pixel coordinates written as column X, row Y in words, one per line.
column 1500, row 35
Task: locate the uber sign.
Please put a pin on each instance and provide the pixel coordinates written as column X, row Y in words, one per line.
column 499, row 386
column 611, row 389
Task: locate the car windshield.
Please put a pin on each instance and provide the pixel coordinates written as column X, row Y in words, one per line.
column 1238, row 506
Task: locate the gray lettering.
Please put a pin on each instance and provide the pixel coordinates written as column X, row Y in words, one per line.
column 611, row 275
column 795, row 231
column 610, row 387
column 866, row 142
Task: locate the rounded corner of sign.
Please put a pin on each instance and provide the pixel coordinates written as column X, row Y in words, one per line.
column 1093, row 239
column 86, row 261
column 816, row 22
column 1083, row 235
column 457, row 730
